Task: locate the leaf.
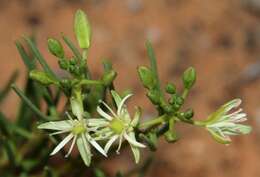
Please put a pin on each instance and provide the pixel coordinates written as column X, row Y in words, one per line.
column 39, row 57
column 99, row 173
column 72, row 47
column 29, row 103
column 29, row 63
column 7, row 87
column 153, row 64
column 5, row 128
column 10, row 150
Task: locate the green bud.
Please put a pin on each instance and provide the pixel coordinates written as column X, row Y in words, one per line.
column 189, row 77
column 150, row 139
column 167, row 109
column 170, row 88
column 146, row 76
column 176, row 99
column 170, row 136
column 109, row 77
column 154, row 96
column 189, row 114
column 42, row 77
column 64, row 64
column 82, row 29
column 55, row 48
column 76, row 107
column 179, row 100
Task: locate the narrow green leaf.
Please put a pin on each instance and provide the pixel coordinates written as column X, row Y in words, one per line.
column 4, row 125
column 10, row 151
column 7, row 87
column 99, row 173
column 39, row 57
column 153, row 63
column 29, row 63
column 72, row 47
column 29, row 103
column 22, row 132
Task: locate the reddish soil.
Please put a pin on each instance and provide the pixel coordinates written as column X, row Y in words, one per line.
column 221, row 39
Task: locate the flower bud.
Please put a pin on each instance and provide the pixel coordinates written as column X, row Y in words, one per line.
column 189, row 77
column 109, row 77
column 151, row 140
column 189, row 114
column 64, row 64
column 55, row 48
column 82, row 29
column 42, row 77
column 146, row 77
column 170, row 88
column 170, row 136
column 154, row 96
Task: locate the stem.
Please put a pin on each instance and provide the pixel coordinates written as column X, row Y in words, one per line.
column 153, row 122
column 90, row 82
column 185, row 93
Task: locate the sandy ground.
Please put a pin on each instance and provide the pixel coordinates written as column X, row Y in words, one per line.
column 221, row 39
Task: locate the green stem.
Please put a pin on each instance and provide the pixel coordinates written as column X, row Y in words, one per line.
column 90, row 82
column 185, row 93
column 153, row 122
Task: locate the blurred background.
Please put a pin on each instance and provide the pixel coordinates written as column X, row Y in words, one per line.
column 221, row 39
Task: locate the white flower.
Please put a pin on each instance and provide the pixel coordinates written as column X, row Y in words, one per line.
column 78, row 131
column 118, row 126
column 222, row 124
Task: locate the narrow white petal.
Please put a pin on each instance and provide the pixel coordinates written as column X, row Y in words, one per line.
column 95, row 144
column 97, row 122
column 120, row 144
column 133, row 141
column 56, row 125
column 122, row 103
column 59, row 132
column 110, row 142
column 104, row 114
column 135, row 150
column 84, row 149
column 62, row 144
column 71, row 146
column 116, row 97
column 111, row 111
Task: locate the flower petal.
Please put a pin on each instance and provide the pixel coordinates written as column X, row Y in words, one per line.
column 84, row 149
column 104, row 114
column 219, row 138
column 71, row 146
column 116, row 98
column 133, row 141
column 62, row 144
column 97, row 122
column 135, row 150
column 95, row 144
column 57, row 125
column 110, row 142
column 136, row 118
column 111, row 111
column 119, row 109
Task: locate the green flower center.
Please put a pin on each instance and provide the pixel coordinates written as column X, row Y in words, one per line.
column 117, row 126
column 78, row 128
